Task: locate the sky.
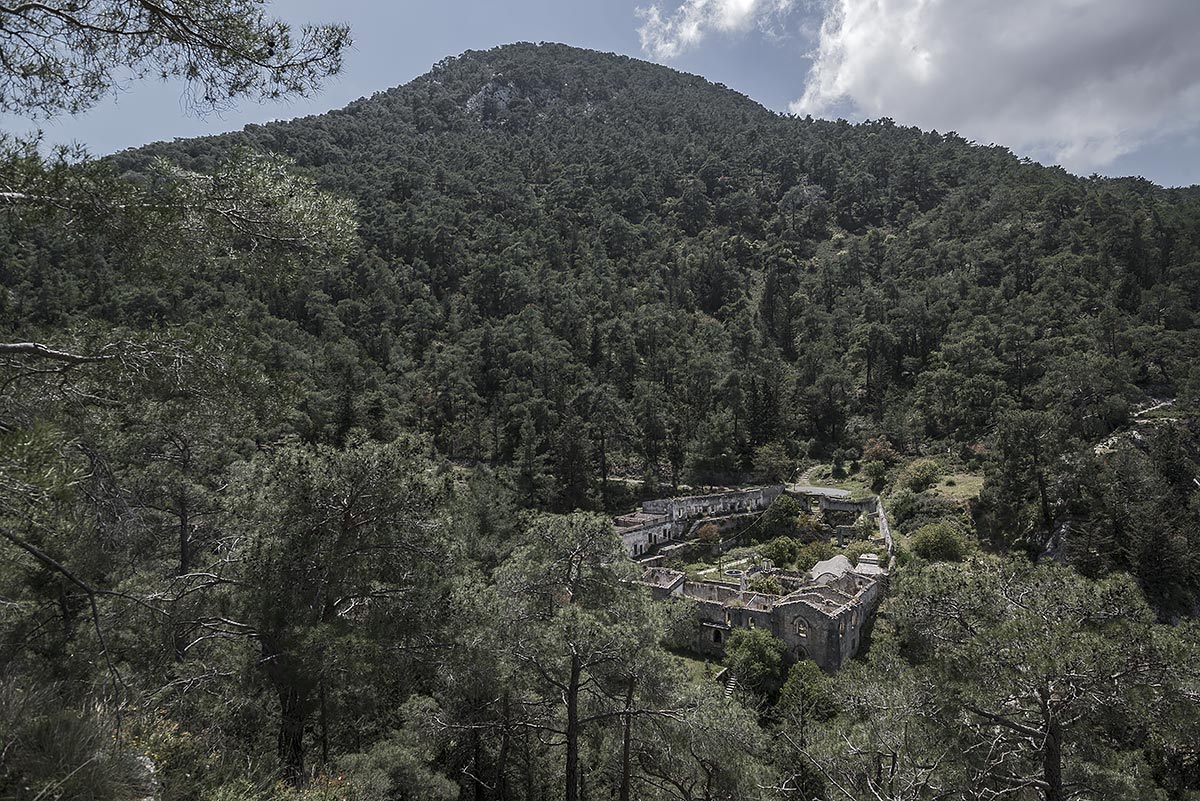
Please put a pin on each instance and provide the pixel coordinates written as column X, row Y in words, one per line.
column 1098, row 86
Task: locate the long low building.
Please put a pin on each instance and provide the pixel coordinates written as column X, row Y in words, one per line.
column 728, row 502
column 664, row 519
column 641, row 531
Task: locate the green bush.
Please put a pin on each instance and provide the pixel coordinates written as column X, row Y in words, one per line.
column 808, row 692
column 765, row 585
column 909, row 511
column 856, row 549
column 772, row 464
column 756, row 657
column 813, row 552
column 865, row 527
column 53, row 751
column 876, row 473
column 781, row 550
column 878, row 449
column 779, row 520
column 939, row 542
column 811, row 527
column 919, row 474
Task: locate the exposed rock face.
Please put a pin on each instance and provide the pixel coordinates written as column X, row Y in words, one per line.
column 492, row 98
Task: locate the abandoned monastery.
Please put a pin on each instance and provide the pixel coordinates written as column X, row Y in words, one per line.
column 820, row 614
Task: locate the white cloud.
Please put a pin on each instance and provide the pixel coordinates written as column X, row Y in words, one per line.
column 666, row 36
column 1080, row 82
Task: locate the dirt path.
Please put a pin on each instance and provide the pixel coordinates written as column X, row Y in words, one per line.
column 806, row 477
column 725, row 566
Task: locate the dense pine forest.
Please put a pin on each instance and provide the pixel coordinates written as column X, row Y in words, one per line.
column 311, row 435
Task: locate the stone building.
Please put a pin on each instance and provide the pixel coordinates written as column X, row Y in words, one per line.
column 672, row 518
column 820, row 616
column 717, row 504
column 640, row 531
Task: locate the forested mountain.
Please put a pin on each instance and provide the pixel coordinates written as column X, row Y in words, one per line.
column 579, row 277
column 583, row 266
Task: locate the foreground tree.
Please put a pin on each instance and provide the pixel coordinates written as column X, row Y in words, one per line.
column 1049, row 680
column 336, row 557
column 63, row 57
column 583, row 632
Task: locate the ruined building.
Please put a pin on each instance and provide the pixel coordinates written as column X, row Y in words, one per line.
column 819, row 615
column 820, row 618
column 677, row 519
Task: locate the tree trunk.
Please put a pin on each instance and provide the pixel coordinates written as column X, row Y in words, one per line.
column 502, row 756
column 603, row 470
column 295, row 699
column 185, row 539
column 1043, row 494
column 291, row 734
column 626, row 739
column 529, row 783
column 572, row 770
column 1052, row 762
column 324, row 724
column 179, row 635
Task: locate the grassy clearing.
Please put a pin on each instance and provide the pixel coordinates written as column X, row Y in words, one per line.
column 699, row 671
column 696, row 570
column 822, row 476
column 959, row 487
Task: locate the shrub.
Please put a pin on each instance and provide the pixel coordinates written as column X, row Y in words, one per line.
column 856, row 549
column 52, row 750
column 765, row 585
column 901, row 505
column 811, row 528
column 756, row 657
column 779, row 519
column 865, row 527
column 910, row 511
column 919, row 474
column 876, row 473
column 838, row 465
column 771, row 463
column 709, row 533
column 939, row 542
column 812, row 553
column 781, row 550
column 878, row 449
column 808, row 692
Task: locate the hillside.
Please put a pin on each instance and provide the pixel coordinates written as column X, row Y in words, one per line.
column 589, row 266
column 276, row 512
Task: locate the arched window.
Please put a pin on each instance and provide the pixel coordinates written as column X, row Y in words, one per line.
column 800, row 627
